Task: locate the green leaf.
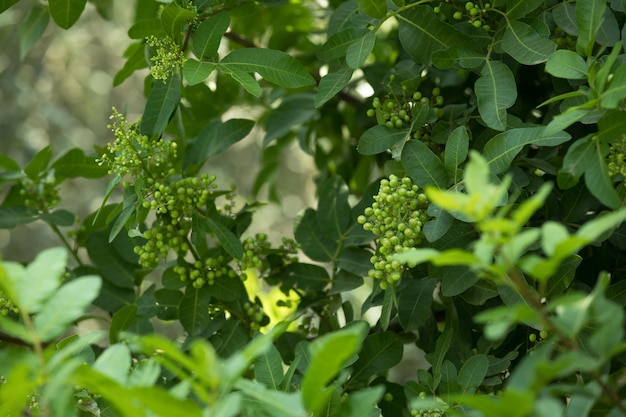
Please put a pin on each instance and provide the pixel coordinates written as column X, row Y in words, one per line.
column 359, row 50
column 380, row 138
column 589, row 15
column 354, row 260
column 227, row 239
column 504, row 147
column 337, row 45
column 495, row 91
column 315, row 245
column 516, row 9
column 294, row 111
column 594, row 229
column 333, row 209
column 74, row 163
column 173, row 17
column 598, row 180
column 331, row 84
column 122, row 320
column 66, row 12
column 206, row 39
column 275, row 66
column 112, row 266
column 329, row 354
column 576, row 162
column 615, row 92
column 306, row 276
column 271, row 403
column 193, row 310
column 564, row 15
column 456, row 152
column 5, row 4
column 380, row 352
column 423, row 166
column 268, row 368
column 567, row 64
column 472, row 373
column 225, row 288
column 609, row 33
column 32, row 28
column 525, row 45
column 14, row 216
column 196, row 72
column 135, row 60
column 374, row 8
column 145, row 28
column 115, row 362
column 59, row 218
column 422, row 33
column 66, row 305
column 455, row 279
column 247, row 81
column 414, row 303
column 363, row 402
column 215, row 138
column 162, row 102
column 39, row 163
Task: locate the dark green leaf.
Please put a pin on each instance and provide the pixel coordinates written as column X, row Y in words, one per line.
column 226, row 288
column 173, row 17
column 525, row 45
column 567, row 64
column 162, row 102
column 456, row 279
column 32, row 28
column 271, row 403
column 74, row 163
column 247, row 81
column 423, row 166
column 589, row 15
column 355, row 260
column 502, row 148
column 5, row 4
column 380, row 352
column 516, row 9
column 495, row 91
column 294, row 111
column 66, row 12
column 306, row 276
column 564, row 14
column 359, row 50
column 112, row 266
column 414, row 302
column 337, row 45
column 380, row 138
column 472, row 373
column 227, row 239
column 268, row 368
column 331, row 84
column 206, row 39
column 456, row 152
column 196, row 72
column 193, row 310
column 598, row 180
column 315, row 245
column 167, row 302
column 59, row 217
column 422, row 33
column 121, row 320
column 13, row 216
column 39, row 163
column 145, row 28
column 275, row 66
column 333, row 209
column 135, row 60
column 374, row 8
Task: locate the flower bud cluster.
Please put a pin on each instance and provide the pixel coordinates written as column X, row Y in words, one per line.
column 42, row 194
column 431, row 412
column 616, row 158
column 168, row 60
column 201, row 273
column 7, row 306
column 396, row 217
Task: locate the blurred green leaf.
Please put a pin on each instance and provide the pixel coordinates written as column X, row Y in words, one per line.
column 121, row 320
column 5, row 4
column 135, row 60
column 268, row 368
column 13, row 216
column 145, row 28
column 115, row 362
column 66, row 12
column 456, row 152
column 272, row 403
column 380, row 352
column 39, row 163
column 74, row 163
column 32, row 28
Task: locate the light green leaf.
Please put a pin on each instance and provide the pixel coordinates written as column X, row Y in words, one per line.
column 227, row 239
column 495, row 91
column 207, row 36
column 589, row 16
column 162, row 102
column 275, row 66
column 374, row 8
column 32, row 28
column 564, row 15
column 271, row 403
column 145, row 28
column 196, row 72
column 615, row 92
column 594, row 229
column 380, row 352
column 359, row 50
column 422, row 33
column 66, row 305
column 525, row 45
column 502, row 148
column 173, row 17
column 516, row 9
column 331, row 84
column 567, row 64
column 66, row 12
column 566, row 119
column 380, row 138
column 609, row 33
column 423, row 166
column 414, row 303
column 115, row 362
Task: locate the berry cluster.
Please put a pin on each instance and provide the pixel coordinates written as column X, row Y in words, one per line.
column 168, row 60
column 133, row 153
column 616, row 159
column 254, row 316
column 473, row 13
column 563, row 40
column 431, row 412
column 203, row 273
column 257, row 251
column 6, row 305
column 396, row 217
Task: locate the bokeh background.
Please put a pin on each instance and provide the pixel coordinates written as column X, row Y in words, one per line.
column 61, row 95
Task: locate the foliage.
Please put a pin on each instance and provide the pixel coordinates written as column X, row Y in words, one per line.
column 481, row 245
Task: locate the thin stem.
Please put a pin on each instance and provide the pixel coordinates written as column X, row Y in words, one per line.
column 611, row 395
column 72, row 250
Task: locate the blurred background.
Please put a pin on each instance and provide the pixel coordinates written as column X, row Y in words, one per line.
column 61, row 94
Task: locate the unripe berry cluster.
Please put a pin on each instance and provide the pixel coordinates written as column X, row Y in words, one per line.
column 431, row 412
column 180, row 198
column 7, row 306
column 396, row 113
column 40, row 195
column 563, row 40
column 616, row 158
column 168, row 60
column 254, row 316
column 472, row 12
column 396, row 216
column 133, row 153
column 203, row 273
column 257, row 250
